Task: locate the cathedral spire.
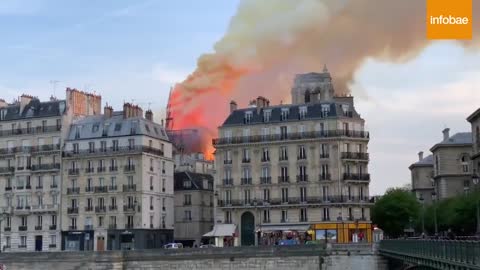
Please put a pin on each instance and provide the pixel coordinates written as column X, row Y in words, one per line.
column 325, row 69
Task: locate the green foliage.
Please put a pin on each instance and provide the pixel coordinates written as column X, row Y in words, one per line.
column 397, row 210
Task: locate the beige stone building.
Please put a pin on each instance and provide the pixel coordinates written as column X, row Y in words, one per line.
column 31, row 139
column 452, row 166
column 474, row 120
column 295, row 170
column 117, row 188
column 422, row 178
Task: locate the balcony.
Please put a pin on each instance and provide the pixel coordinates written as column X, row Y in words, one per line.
column 46, row 167
column 283, row 158
column 284, row 179
column 28, row 186
column 22, row 246
column 22, row 228
column 73, row 171
column 325, row 155
column 227, row 161
column 324, row 177
column 291, row 136
column 301, row 157
column 296, row 201
column 112, row 226
column 72, row 210
column 72, row 228
column 112, row 188
column 7, row 229
column 7, row 170
column 129, row 168
column 113, row 168
column 39, row 187
column 356, row 177
column 31, row 130
column 129, row 226
column 265, row 180
column 355, row 156
column 137, row 149
column 302, row 178
column 38, row 228
column 101, row 189
column 130, row 208
column 265, row 159
column 8, row 188
column 52, row 245
column 112, row 207
column 52, row 227
column 20, row 209
column 52, row 186
column 44, row 208
column 101, row 169
column 227, row 182
column 246, row 181
column 100, row 209
column 129, row 188
column 90, row 170
column 246, row 160
column 89, row 189
column 89, row 208
column 74, row 190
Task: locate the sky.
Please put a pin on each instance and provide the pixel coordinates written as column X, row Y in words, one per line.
column 136, row 50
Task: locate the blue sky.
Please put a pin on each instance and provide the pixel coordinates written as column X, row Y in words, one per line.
column 136, row 50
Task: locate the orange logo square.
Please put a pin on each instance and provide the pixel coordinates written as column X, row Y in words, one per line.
column 449, row 19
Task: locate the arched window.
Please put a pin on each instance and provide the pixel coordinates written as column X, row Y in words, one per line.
column 465, row 161
column 307, row 96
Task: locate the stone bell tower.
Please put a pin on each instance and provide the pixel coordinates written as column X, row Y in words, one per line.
column 312, row 87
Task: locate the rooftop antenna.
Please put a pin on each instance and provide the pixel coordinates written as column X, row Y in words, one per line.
column 54, row 86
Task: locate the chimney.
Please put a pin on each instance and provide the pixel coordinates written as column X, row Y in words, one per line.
column 262, row 102
column 420, row 156
column 233, row 106
column 24, row 100
column 446, row 134
column 161, row 122
column 149, row 115
column 130, row 110
column 107, row 111
column 3, row 103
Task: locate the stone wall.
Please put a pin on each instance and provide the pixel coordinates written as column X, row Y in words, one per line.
column 278, row 258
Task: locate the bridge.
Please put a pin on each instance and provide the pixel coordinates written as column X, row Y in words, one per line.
column 433, row 254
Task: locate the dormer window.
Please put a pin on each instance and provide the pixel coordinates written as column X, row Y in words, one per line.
column 325, row 110
column 248, row 117
column 284, row 114
column 267, row 114
column 187, row 184
column 302, row 112
column 3, row 113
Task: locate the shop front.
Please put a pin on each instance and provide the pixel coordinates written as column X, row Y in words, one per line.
column 283, row 234
column 342, row 232
column 77, row 240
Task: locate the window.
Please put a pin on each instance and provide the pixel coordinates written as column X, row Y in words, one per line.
column 163, row 185
column 187, row 184
column 115, row 145
column 265, row 134
column 303, row 215
column 246, row 196
column 266, row 216
column 39, row 221
column 265, row 155
column 100, row 221
column 302, row 112
column 113, row 182
column 465, row 163
column 283, row 153
column 246, row 175
column 267, row 114
column 248, row 117
column 265, row 172
column 325, row 195
column 283, row 132
column 188, row 215
column 130, row 221
column 302, row 174
column 325, row 110
column 326, row 213
column 324, row 173
column 266, row 195
column 284, row 114
column 245, row 155
column 23, row 241
column 303, row 194
column 24, row 221
column 103, row 146
column 151, row 182
column 131, row 143
column 91, row 147
column 53, row 220
column 284, row 174
column 8, row 222
column 228, row 156
column 113, row 221
column 284, row 195
column 187, row 199
column 284, row 216
column 8, row 242
column 95, row 128
column 130, row 180
column 163, row 204
column 151, row 203
column 113, row 202
column 302, row 154
column 151, row 221
column 118, row 126
column 324, row 150
column 228, row 217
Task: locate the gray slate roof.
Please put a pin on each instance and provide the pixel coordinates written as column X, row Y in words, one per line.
column 425, row 161
column 458, row 138
column 34, row 109
column 195, row 178
column 314, row 111
column 93, row 127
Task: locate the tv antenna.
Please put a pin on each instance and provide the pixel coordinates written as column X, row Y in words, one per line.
column 54, row 86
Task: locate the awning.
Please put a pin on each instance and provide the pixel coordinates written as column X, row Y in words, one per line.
column 284, row 227
column 221, row 230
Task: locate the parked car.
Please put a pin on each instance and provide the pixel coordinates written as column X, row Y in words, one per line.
column 173, row 245
column 287, row 242
column 208, row 246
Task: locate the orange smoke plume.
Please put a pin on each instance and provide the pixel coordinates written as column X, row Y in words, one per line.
column 270, row 41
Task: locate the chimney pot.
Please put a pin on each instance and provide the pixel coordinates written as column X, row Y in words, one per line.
column 233, row 106
column 446, row 134
column 149, row 115
column 420, row 156
column 107, row 111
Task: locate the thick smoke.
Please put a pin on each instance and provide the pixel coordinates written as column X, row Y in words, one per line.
column 269, row 41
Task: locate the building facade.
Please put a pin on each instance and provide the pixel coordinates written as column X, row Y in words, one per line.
column 452, row 166
column 474, row 120
column 422, row 178
column 193, row 207
column 295, row 171
column 118, row 182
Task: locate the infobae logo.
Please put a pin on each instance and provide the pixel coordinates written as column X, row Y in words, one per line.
column 449, row 19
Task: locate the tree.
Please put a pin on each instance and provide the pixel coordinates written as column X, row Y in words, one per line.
column 397, row 210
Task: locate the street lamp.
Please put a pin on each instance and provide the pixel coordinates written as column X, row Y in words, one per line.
column 422, row 201
column 3, row 215
column 434, row 199
column 475, row 182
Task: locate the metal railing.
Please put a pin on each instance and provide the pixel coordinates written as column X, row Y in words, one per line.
column 46, row 167
column 113, row 150
column 290, row 136
column 296, row 201
column 355, row 155
column 356, row 176
column 31, row 130
column 448, row 252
